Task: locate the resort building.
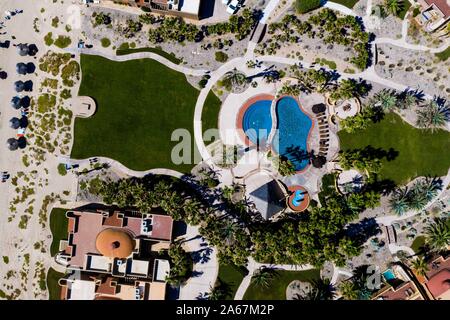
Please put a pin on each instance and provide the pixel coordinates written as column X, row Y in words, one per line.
column 116, row 244
column 183, row 8
column 437, row 279
column 398, row 285
column 87, row 287
column 434, row 14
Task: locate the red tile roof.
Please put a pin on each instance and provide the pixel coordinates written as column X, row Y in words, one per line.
column 439, row 283
column 442, row 5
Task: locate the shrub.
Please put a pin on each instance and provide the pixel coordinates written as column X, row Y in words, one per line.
column 55, row 22
column 63, row 42
column 202, row 83
column 221, row 56
column 304, row 6
column 145, row 9
column 65, row 94
column 105, row 42
column 62, row 169
column 124, row 46
column 48, row 39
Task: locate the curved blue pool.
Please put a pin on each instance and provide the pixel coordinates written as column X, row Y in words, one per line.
column 291, row 138
column 257, row 121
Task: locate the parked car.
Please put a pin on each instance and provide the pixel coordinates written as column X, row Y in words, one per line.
column 233, row 7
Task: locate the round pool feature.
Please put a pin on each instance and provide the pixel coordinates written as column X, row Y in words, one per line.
column 294, row 127
column 299, row 198
column 254, row 120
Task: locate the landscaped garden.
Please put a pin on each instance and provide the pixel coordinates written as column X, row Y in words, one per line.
column 139, row 104
column 419, row 152
column 54, row 289
column 58, row 226
column 231, row 277
column 276, row 289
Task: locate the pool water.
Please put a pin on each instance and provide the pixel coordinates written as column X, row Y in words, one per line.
column 389, row 275
column 298, row 198
column 291, row 138
column 257, row 121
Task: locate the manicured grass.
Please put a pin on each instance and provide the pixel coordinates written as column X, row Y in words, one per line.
column 54, row 289
column 405, row 7
column 443, row 56
column 169, row 56
column 420, row 152
column 348, row 3
column 417, row 244
column 58, row 226
column 277, row 288
column 231, row 276
column 210, row 113
column 139, row 104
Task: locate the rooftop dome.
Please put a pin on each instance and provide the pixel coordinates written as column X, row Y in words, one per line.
column 114, row 243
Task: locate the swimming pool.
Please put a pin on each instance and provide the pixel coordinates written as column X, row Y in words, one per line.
column 291, row 138
column 389, row 275
column 257, row 121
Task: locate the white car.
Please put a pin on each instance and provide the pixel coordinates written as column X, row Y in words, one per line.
column 233, row 6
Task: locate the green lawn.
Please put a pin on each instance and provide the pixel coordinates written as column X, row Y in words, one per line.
column 443, row 56
column 54, row 289
column 348, row 3
column 277, row 287
column 58, row 226
column 210, row 113
column 418, row 243
column 139, row 104
column 169, row 56
column 420, row 152
column 231, row 276
column 405, row 7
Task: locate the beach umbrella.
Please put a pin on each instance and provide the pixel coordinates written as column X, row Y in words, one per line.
column 12, row 144
column 19, row 86
column 32, row 50
column 3, row 75
column 319, row 108
column 15, row 102
column 14, row 123
column 23, row 122
column 21, row 68
column 25, row 102
column 22, row 142
column 31, row 67
column 28, row 85
column 22, row 49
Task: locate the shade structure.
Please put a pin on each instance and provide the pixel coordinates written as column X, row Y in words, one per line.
column 19, row 86
column 23, row 122
column 21, row 68
column 319, row 108
column 12, row 144
column 319, row 162
column 25, row 102
column 28, row 85
column 31, row 67
column 22, row 142
column 14, row 123
column 3, row 75
column 15, row 102
column 32, row 50
column 22, row 49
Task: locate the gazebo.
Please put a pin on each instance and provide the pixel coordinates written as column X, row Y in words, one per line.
column 16, row 102
column 19, row 86
column 12, row 144
column 14, row 123
column 21, row 68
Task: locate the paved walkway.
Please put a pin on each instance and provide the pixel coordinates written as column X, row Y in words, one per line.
column 268, row 10
column 141, row 55
column 340, row 8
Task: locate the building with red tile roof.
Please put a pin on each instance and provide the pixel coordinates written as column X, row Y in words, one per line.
column 437, row 279
column 435, row 14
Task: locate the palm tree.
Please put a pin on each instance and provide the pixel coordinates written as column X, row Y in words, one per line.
column 432, row 116
column 429, row 188
column 393, row 6
column 321, row 289
column 437, row 234
column 349, row 290
column 399, row 202
column 228, row 231
column 407, row 100
column 219, row 292
column 263, row 276
column 386, row 98
column 420, row 266
column 233, row 79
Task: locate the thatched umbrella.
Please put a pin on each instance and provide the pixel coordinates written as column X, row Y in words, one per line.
column 319, row 108
column 23, row 49
column 12, row 144
column 21, row 68
column 19, row 86
column 15, row 102
column 25, row 102
column 14, row 123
